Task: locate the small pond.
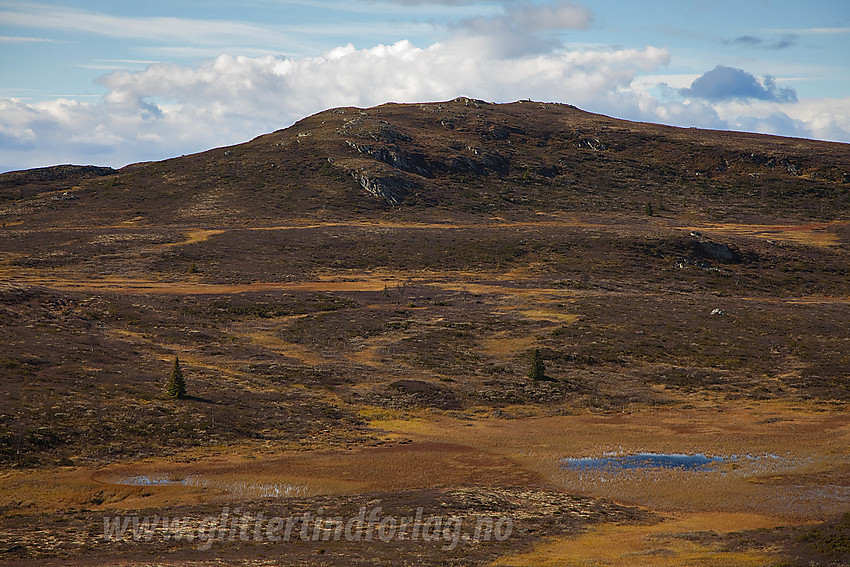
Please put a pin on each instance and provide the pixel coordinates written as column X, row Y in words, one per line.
column 643, row 461
column 148, row 480
column 238, row 488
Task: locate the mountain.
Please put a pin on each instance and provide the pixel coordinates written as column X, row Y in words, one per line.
column 467, row 157
column 430, row 306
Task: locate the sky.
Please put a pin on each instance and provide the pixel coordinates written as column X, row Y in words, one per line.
column 110, row 82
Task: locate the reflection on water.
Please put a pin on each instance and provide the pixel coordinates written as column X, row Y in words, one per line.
column 763, row 483
column 146, row 480
column 236, row 488
column 643, row 461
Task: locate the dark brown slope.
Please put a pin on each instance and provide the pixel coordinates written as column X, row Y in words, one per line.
column 30, row 182
column 290, row 322
column 470, row 157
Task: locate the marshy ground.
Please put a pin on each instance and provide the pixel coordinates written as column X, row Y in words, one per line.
column 355, row 300
column 406, row 384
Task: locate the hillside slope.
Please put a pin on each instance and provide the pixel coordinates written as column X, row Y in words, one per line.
column 468, row 157
column 356, row 301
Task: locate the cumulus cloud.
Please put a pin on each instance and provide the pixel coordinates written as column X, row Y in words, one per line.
column 823, row 119
column 729, row 83
column 523, row 28
column 167, row 109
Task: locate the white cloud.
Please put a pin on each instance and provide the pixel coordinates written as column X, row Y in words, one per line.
column 43, row 16
column 523, row 27
column 730, row 83
column 166, row 109
column 231, row 99
column 824, row 119
column 23, row 39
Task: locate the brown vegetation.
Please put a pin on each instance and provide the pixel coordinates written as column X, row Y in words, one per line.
column 356, row 300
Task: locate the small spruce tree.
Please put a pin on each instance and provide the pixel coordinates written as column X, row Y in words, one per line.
column 538, row 370
column 176, row 385
column 649, row 210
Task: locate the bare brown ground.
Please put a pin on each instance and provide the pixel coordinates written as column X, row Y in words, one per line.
column 430, row 448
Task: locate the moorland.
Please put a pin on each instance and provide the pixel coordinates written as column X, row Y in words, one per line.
column 355, row 302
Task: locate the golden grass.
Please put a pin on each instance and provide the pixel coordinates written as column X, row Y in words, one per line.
column 195, row 236
column 137, row 285
column 808, row 234
column 269, row 339
column 125, row 223
column 188, row 357
column 657, row 545
column 477, row 450
column 809, row 446
column 543, row 314
column 368, row 351
column 392, row 467
column 504, row 344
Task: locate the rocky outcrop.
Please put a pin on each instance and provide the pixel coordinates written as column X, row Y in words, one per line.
column 391, row 189
column 715, row 251
column 410, row 162
column 464, row 164
column 774, row 162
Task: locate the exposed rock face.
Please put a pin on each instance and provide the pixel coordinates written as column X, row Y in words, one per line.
column 391, row 189
column 486, row 162
column 417, row 163
column 499, row 133
column 463, row 164
column 393, row 146
column 396, row 157
column 714, row 251
column 496, row 162
column 775, row 161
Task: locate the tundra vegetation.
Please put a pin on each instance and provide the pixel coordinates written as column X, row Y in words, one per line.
column 431, row 306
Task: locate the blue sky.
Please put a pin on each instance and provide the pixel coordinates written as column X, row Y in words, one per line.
column 112, row 83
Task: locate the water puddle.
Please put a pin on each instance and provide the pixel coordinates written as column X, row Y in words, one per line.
column 146, row 480
column 233, row 488
column 643, row 461
column 772, row 483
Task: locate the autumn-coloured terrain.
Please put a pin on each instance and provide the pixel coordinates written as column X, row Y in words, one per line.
column 355, row 302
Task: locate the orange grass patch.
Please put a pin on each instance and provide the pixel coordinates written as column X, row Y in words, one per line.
column 453, row 451
column 195, row 236
column 662, row 544
column 504, row 344
column 215, row 477
column 808, row 234
column 807, row 446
